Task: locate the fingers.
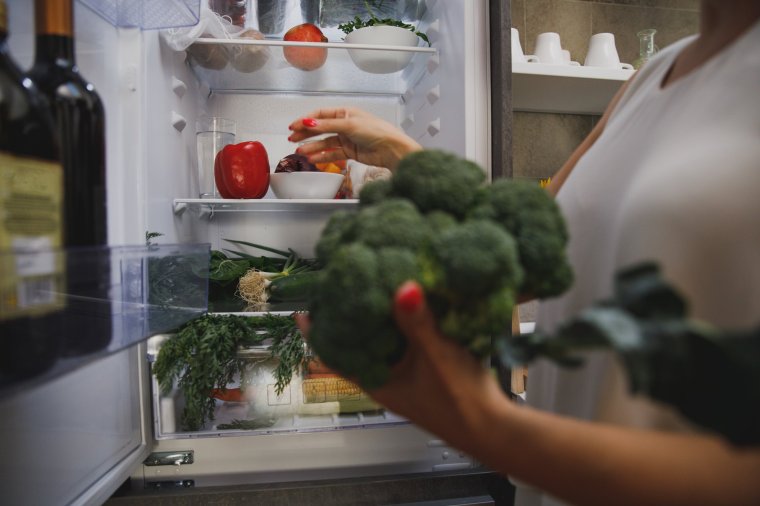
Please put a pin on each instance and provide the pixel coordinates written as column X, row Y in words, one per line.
column 307, row 128
column 329, row 155
column 325, row 118
column 324, row 150
column 413, row 316
column 326, row 144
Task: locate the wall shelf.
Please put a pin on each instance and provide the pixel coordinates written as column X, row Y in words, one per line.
column 339, row 74
column 564, row 89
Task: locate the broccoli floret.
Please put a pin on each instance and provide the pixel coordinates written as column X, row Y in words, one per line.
column 474, row 324
column 471, row 271
column 340, row 229
column 394, row 222
column 440, row 221
column 353, row 330
column 529, row 213
column 436, row 180
column 472, row 258
column 374, row 192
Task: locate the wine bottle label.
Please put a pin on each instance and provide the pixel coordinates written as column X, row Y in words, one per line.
column 31, row 262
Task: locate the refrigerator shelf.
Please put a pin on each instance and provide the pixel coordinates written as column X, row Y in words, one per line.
column 206, row 208
column 339, row 74
column 68, row 308
column 564, row 89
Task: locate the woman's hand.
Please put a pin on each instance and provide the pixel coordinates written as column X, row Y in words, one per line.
column 359, row 136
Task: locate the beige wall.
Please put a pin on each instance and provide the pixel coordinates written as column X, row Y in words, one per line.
column 542, row 142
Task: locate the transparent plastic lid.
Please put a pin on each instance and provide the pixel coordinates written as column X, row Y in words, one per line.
column 147, row 14
column 60, row 309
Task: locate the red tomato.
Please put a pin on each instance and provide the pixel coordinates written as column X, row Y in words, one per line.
column 241, row 171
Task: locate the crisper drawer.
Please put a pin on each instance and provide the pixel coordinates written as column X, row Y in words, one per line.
column 253, row 403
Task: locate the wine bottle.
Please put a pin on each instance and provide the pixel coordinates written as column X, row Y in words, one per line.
column 31, row 205
column 80, row 118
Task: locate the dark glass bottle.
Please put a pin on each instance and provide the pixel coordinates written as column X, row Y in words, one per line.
column 80, row 117
column 31, row 206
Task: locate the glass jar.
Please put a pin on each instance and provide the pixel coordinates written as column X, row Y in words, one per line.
column 647, row 47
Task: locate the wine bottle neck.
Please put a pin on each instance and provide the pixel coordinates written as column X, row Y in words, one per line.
column 3, row 20
column 54, row 48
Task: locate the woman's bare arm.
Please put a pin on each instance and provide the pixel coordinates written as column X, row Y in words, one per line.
column 561, row 176
column 440, row 387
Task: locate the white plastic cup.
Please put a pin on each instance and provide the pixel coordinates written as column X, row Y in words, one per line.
column 517, row 50
column 549, row 48
column 602, row 52
column 211, row 135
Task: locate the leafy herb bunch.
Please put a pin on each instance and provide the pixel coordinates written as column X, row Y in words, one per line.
column 202, row 356
column 373, row 20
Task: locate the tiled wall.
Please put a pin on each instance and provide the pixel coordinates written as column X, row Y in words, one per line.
column 542, row 142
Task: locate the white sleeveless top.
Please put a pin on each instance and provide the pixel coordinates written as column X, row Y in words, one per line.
column 674, row 178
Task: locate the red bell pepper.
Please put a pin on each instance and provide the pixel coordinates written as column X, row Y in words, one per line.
column 241, row 171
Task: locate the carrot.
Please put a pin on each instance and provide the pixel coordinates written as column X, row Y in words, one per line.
column 228, row 394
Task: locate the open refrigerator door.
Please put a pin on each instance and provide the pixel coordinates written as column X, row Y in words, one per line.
column 320, row 426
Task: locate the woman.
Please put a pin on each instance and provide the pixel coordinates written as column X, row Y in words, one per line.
column 669, row 174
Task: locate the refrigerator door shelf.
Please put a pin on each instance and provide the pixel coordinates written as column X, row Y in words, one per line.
column 102, row 299
column 339, row 74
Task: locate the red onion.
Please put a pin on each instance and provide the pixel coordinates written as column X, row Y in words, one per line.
column 295, row 163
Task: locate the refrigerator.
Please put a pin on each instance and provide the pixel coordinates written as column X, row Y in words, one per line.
column 78, row 436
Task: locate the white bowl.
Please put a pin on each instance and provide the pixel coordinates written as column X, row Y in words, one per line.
column 305, row 185
column 377, row 61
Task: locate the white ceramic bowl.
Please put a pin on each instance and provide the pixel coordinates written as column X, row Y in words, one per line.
column 377, row 61
column 305, row 185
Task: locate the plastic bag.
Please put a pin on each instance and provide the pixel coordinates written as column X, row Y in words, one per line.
column 243, row 57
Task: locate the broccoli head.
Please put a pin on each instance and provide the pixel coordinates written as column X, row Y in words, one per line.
column 471, row 247
column 533, row 218
column 436, row 180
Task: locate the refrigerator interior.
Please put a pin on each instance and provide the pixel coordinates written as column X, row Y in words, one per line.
column 441, row 100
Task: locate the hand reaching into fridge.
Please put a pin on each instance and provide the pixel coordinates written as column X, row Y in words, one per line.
column 359, row 135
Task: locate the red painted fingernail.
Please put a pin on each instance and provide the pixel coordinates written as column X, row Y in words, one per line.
column 409, row 297
column 309, row 122
column 290, row 138
column 298, row 150
column 290, row 127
